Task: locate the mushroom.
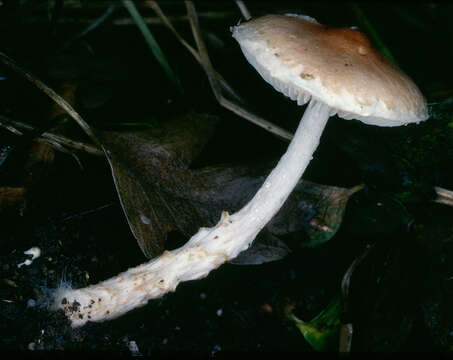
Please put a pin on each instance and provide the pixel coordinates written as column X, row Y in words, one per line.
column 338, row 72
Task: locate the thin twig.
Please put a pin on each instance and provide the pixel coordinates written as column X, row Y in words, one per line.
column 53, row 95
column 13, row 126
column 95, row 24
column 207, row 65
column 57, row 146
column 244, row 11
column 76, row 145
column 205, row 60
column 87, row 212
column 156, row 8
column 255, row 119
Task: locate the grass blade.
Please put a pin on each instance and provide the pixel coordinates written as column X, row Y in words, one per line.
column 151, row 41
column 52, row 94
column 369, row 28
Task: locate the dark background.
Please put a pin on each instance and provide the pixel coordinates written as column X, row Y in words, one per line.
column 401, row 292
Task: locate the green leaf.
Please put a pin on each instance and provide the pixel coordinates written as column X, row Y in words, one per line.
column 322, row 331
column 331, row 207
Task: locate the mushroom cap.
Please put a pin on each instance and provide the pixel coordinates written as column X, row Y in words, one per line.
column 337, row 66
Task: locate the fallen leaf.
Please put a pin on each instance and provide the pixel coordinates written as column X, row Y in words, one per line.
column 149, row 168
column 322, row 207
column 322, row 331
column 231, row 187
column 159, row 193
column 265, row 248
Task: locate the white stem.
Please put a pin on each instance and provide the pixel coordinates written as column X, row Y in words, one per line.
column 207, row 249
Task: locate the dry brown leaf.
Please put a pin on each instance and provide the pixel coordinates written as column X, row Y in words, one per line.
column 11, row 198
column 150, row 171
column 159, row 193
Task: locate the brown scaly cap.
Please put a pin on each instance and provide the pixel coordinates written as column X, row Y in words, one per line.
column 339, row 67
